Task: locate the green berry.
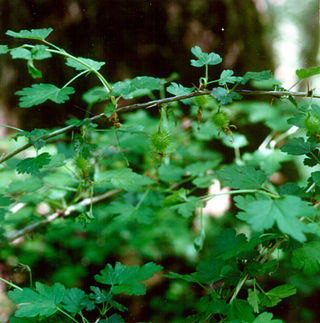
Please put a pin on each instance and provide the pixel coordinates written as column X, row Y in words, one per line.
column 312, row 123
column 160, row 140
column 201, row 100
column 220, row 119
column 81, row 163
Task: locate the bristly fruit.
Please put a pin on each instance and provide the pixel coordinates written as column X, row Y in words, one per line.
column 312, row 123
column 201, row 100
column 220, row 119
column 160, row 141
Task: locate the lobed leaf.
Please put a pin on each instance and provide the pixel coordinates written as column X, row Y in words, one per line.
column 285, row 212
column 124, row 178
column 227, row 77
column 266, row 317
column 33, row 165
column 84, row 64
column 256, row 76
column 39, row 34
column 305, row 73
column 204, row 58
column 139, row 86
column 42, row 301
column 241, row 177
column 307, row 258
column 42, row 92
column 4, row 49
column 125, row 279
column 297, row 146
column 224, row 96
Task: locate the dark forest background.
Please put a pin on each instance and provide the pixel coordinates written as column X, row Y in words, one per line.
column 133, row 37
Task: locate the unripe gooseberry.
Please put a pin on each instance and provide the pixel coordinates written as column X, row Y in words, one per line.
column 201, row 100
column 220, row 119
column 160, row 141
column 81, row 163
column 312, row 123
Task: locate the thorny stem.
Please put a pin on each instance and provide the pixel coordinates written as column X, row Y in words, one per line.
column 61, row 213
column 10, row 284
column 154, row 103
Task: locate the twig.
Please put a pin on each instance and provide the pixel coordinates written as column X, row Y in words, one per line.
column 61, row 213
column 154, row 103
column 262, row 261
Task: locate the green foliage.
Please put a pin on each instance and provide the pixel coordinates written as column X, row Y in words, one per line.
column 124, row 279
column 39, row 34
column 241, row 177
column 262, row 213
column 101, row 193
column 204, row 58
column 40, row 93
column 33, row 165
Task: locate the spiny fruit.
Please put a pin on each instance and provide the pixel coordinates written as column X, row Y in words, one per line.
column 312, row 123
column 201, row 100
column 160, row 140
column 220, row 119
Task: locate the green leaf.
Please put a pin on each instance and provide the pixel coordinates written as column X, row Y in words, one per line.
column 241, row 177
column 179, row 89
column 34, row 137
column 33, row 71
column 73, row 300
column 20, row 53
column 170, row 173
column 204, row 58
column 39, row 34
column 124, row 178
column 187, row 209
column 28, row 185
column 268, row 160
column 224, row 96
column 42, row 92
column 275, row 295
column 125, row 279
column 253, row 299
column 34, row 164
column 227, row 77
column 176, row 197
column 5, row 200
column 285, row 212
column 297, row 146
column 304, row 73
column 203, row 181
column 139, row 86
column 256, row 76
column 114, row 318
column 266, row 317
column 84, row 64
column 200, row 168
column 109, row 109
column 240, row 309
column 96, row 94
column 43, row 301
column 99, row 296
column 40, row 52
column 229, row 244
column 4, row 49
column 307, row 258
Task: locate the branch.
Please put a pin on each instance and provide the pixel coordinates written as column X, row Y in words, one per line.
column 150, row 104
column 61, row 213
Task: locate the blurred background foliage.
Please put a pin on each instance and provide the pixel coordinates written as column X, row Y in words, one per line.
column 138, row 37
